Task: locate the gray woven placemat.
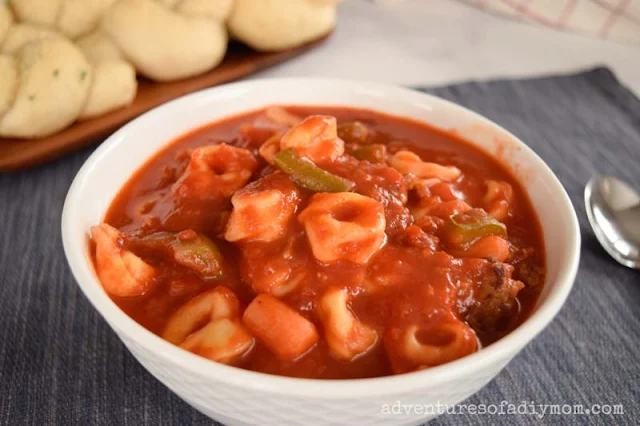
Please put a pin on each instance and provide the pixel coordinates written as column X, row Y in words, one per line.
column 61, row 364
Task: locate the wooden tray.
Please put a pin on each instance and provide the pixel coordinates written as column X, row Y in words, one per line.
column 239, row 62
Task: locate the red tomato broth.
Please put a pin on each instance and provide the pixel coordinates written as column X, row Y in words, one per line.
column 427, row 287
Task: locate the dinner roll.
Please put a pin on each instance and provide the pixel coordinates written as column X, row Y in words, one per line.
column 6, row 20
column 281, row 24
column 169, row 3
column 215, row 9
column 79, row 17
column 37, row 12
column 114, row 81
column 72, row 18
column 97, row 47
column 8, row 82
column 53, row 85
column 162, row 44
column 114, row 86
column 21, row 34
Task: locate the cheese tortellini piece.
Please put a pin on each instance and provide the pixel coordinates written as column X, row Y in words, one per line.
column 223, row 341
column 497, row 199
column 346, row 336
column 214, row 171
column 344, row 226
column 413, row 347
column 209, row 325
column 406, row 162
column 212, row 305
column 121, row 272
column 315, row 138
column 263, row 209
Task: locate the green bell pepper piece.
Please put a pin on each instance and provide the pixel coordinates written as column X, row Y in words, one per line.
column 309, row 176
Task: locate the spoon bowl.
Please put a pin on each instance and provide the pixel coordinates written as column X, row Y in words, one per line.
column 613, row 209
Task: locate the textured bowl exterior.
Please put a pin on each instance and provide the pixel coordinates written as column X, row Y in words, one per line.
column 241, row 405
column 238, row 397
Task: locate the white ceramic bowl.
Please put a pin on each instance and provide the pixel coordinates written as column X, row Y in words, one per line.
column 234, row 396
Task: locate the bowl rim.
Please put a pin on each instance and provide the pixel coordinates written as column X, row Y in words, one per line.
column 503, row 349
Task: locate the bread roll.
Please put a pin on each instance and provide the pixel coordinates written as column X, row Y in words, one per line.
column 8, row 82
column 37, row 12
column 214, row 9
column 162, row 44
column 79, row 17
column 114, row 86
column 169, row 3
column 53, row 85
column 97, row 47
column 281, row 24
column 72, row 18
column 114, row 81
column 6, row 20
column 21, row 34
column 326, row 2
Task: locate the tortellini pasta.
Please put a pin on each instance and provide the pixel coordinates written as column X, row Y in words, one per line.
column 344, row 226
column 222, row 341
column 414, row 346
column 222, row 338
column 346, row 336
column 315, row 138
column 406, row 162
column 212, row 305
column 270, row 148
column 216, row 170
column 497, row 199
column 262, row 210
column 121, row 272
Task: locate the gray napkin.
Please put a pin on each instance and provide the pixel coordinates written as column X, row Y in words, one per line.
column 61, row 364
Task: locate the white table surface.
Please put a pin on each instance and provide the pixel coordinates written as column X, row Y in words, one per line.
column 436, row 42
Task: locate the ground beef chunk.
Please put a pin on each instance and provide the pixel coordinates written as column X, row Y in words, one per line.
column 494, row 298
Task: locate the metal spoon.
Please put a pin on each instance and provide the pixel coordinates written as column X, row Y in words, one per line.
column 613, row 209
